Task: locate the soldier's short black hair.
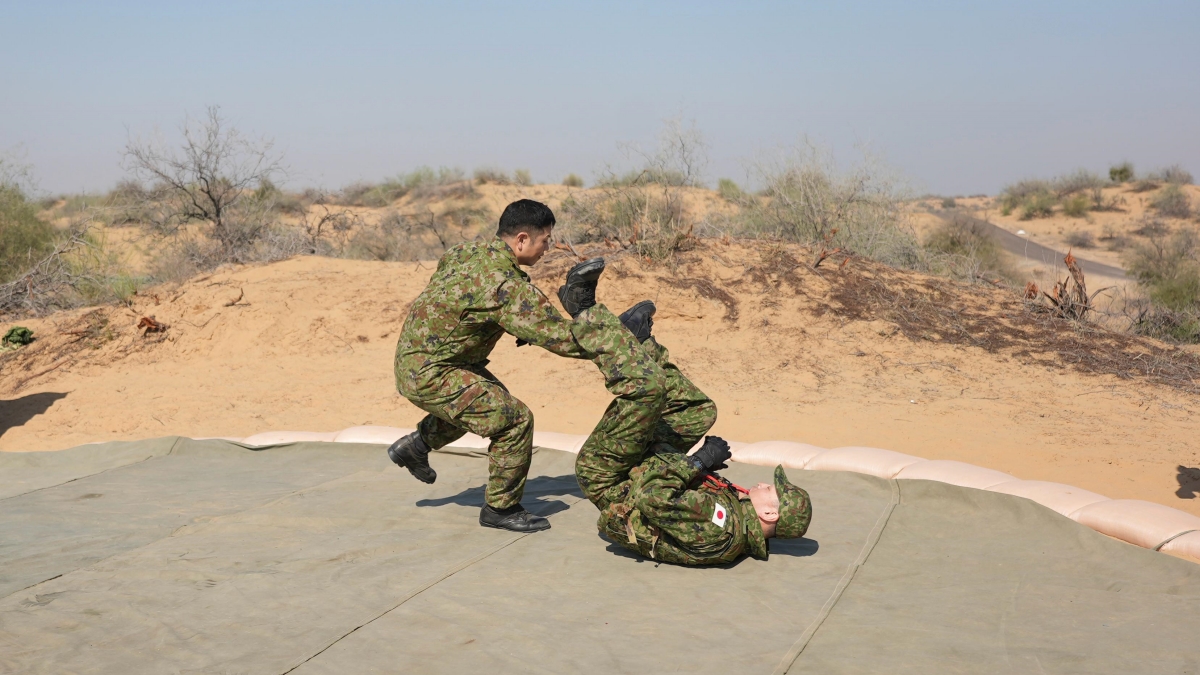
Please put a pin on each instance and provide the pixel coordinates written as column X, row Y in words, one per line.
column 525, row 215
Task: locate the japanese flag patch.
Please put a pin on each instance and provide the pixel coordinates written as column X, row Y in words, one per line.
column 720, row 513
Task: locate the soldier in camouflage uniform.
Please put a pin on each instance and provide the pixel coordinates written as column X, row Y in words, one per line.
column 478, row 294
column 653, row 499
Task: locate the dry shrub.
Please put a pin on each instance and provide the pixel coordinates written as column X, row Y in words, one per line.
column 1076, row 206
column 422, row 183
column 730, row 191
column 416, row 236
column 643, row 210
column 573, row 181
column 489, row 174
column 964, row 248
column 1172, row 202
column 1081, row 239
column 808, row 199
column 1172, row 175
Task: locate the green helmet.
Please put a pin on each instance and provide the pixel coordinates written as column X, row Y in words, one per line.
column 795, row 509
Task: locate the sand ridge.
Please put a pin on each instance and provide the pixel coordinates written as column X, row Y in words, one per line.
column 307, row 344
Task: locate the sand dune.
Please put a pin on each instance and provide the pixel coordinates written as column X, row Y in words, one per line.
column 785, row 352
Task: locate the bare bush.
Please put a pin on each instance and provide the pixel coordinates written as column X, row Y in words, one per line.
column 1172, row 202
column 211, row 181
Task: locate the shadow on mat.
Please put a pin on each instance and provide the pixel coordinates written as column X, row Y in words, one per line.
column 797, row 548
column 1189, row 482
column 542, row 486
column 18, row 411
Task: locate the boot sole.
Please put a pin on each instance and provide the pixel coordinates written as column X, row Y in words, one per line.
column 509, row 529
column 583, row 270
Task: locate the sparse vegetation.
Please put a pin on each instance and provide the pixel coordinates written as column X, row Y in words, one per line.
column 24, row 238
column 573, row 181
column 422, row 183
column 1167, row 266
column 1171, row 175
column 489, row 174
column 949, row 203
column 1172, row 202
column 522, row 177
column 965, row 249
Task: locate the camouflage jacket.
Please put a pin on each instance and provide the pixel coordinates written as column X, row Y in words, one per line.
column 664, row 518
column 477, row 294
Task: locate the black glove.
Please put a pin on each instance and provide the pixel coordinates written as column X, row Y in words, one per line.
column 712, row 455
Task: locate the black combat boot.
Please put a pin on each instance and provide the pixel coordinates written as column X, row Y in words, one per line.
column 579, row 293
column 639, row 319
column 412, row 453
column 515, row 519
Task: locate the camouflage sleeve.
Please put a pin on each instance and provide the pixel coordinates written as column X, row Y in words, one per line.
column 697, row 518
column 526, row 313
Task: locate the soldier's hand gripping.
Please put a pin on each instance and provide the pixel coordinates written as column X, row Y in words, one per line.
column 712, row 455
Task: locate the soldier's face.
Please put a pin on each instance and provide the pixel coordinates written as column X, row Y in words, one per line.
column 766, row 502
column 530, row 249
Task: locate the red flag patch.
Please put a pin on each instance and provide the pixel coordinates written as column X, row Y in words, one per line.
column 720, row 513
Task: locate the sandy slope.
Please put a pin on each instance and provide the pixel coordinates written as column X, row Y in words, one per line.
column 309, row 347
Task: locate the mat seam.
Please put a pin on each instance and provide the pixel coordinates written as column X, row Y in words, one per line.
column 111, row 468
column 797, row 648
column 419, row 590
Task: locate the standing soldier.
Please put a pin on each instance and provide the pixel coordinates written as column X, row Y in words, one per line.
column 478, row 294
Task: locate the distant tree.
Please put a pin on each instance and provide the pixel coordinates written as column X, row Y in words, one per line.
column 211, row 178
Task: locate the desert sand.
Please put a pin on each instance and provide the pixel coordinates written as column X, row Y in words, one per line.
column 307, row 344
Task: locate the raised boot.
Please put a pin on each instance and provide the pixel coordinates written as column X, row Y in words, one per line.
column 639, row 319
column 412, row 453
column 514, row 519
column 579, row 293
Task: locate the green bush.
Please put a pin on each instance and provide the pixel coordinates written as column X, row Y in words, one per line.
column 24, row 238
column 949, row 203
column 966, row 249
column 1172, row 202
column 573, row 181
column 729, row 190
column 1076, row 206
column 1121, row 173
column 421, row 182
column 1040, row 205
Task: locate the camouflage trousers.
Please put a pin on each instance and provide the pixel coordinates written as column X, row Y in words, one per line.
column 492, row 413
column 655, row 403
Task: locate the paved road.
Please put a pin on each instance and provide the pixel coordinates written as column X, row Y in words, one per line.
column 1025, row 248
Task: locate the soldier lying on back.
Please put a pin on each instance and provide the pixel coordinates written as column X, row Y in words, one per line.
column 675, row 510
column 652, row 498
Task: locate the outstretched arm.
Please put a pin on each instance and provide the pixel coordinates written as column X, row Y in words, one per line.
column 527, row 313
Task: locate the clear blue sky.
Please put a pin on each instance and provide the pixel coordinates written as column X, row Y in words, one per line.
column 960, row 98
